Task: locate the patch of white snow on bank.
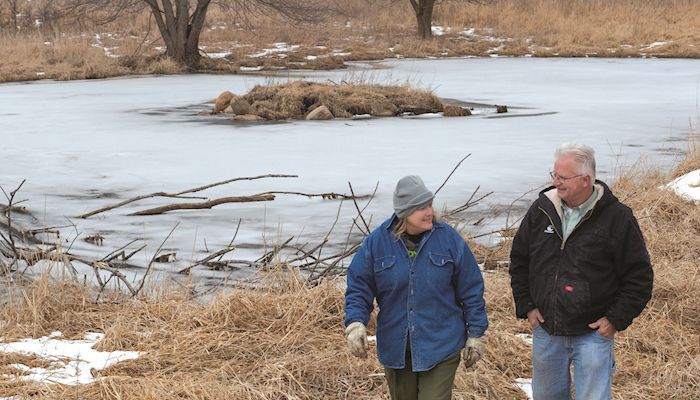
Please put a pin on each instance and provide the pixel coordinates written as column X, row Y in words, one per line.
column 258, row 68
column 525, row 385
column 526, row 337
column 653, row 45
column 280, row 47
column 82, row 359
column 687, row 186
column 439, row 30
column 221, row 54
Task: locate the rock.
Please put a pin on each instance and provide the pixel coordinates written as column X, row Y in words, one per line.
column 223, row 101
column 450, row 110
column 247, row 117
column 501, row 109
column 240, row 106
column 384, row 109
column 319, row 113
column 202, row 113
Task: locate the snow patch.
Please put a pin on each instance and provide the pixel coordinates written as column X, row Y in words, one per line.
column 687, row 186
column 526, row 337
column 221, row 54
column 653, row 45
column 439, row 30
column 525, row 384
column 258, row 68
column 83, row 360
column 280, row 47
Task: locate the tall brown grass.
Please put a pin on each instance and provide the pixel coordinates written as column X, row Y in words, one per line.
column 283, row 339
column 366, row 29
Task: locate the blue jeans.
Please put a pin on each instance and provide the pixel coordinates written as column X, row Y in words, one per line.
column 592, row 356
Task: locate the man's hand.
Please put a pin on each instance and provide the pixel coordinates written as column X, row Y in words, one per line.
column 473, row 351
column 357, row 339
column 604, row 327
column 534, row 318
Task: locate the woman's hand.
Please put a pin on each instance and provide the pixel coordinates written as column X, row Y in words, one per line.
column 356, row 336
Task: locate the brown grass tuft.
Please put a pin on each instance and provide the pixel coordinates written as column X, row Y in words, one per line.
column 297, row 99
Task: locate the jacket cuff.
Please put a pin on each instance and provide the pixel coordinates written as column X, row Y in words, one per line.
column 523, row 307
column 619, row 324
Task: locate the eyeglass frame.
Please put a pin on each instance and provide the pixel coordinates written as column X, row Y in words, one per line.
column 553, row 175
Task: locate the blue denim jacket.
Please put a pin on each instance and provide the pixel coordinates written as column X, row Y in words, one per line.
column 437, row 297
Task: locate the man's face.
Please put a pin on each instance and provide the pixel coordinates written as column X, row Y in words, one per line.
column 420, row 220
column 572, row 187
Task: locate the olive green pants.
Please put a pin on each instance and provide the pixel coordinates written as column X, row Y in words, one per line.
column 435, row 384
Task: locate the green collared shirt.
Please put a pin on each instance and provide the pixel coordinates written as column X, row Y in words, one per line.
column 572, row 215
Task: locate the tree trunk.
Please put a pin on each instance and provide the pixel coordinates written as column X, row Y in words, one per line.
column 424, row 17
column 180, row 29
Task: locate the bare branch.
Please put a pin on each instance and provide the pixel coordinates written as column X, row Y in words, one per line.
column 181, row 193
column 220, row 253
column 453, row 171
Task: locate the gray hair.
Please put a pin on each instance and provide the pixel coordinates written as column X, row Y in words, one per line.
column 583, row 154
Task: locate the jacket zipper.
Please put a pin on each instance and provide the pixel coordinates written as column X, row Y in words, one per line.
column 563, row 242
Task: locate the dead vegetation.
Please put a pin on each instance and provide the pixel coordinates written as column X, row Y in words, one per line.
column 283, row 338
column 39, row 45
column 298, row 99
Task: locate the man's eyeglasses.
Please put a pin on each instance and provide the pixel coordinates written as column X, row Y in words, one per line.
column 560, row 178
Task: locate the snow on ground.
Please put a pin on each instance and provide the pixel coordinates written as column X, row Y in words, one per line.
column 439, row 30
column 653, row 45
column 687, row 186
column 280, row 47
column 219, row 54
column 525, row 385
column 83, row 360
column 526, row 337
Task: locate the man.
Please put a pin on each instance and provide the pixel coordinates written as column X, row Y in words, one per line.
column 580, row 272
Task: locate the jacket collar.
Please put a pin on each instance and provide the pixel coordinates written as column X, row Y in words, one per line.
column 552, row 195
column 604, row 197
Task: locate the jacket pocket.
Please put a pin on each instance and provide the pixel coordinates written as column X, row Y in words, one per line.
column 574, row 298
column 385, row 273
column 440, row 270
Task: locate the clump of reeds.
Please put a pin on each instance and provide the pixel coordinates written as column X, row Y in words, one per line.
column 296, row 99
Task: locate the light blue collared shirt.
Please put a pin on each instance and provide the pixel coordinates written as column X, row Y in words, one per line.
column 572, row 215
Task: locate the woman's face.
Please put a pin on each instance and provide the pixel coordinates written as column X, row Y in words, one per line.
column 420, row 220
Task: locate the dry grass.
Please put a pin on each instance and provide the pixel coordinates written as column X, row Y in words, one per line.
column 284, row 340
column 296, row 99
column 365, row 30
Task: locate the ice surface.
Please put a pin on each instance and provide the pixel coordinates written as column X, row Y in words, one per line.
column 82, row 145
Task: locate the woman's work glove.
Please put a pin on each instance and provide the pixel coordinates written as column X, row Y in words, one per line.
column 473, row 350
column 356, row 335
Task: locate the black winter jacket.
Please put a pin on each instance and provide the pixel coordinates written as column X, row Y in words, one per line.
column 602, row 269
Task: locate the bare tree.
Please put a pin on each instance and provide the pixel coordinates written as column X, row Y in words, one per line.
column 180, row 22
column 424, row 14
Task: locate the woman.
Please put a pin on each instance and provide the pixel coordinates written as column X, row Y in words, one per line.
column 430, row 295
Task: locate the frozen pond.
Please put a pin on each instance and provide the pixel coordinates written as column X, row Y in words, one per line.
column 83, row 145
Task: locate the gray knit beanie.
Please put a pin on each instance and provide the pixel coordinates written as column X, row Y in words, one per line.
column 410, row 195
